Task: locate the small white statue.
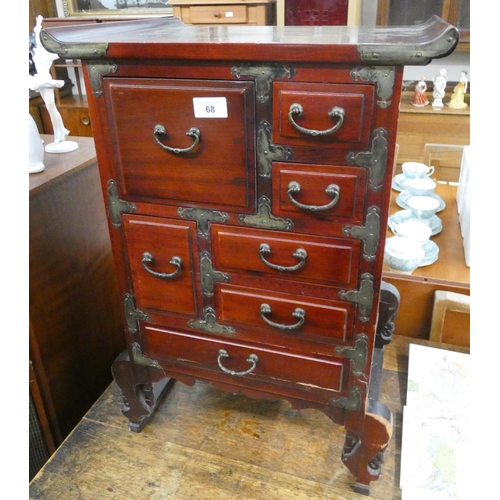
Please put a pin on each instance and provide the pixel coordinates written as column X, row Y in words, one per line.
column 458, row 96
column 439, row 89
column 42, row 82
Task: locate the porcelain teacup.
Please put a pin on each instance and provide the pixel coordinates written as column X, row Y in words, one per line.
column 403, row 254
column 415, row 230
column 423, row 207
column 416, row 170
column 420, row 187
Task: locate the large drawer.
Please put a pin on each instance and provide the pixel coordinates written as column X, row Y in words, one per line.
column 310, row 106
column 319, row 193
column 331, row 261
column 293, row 315
column 273, row 366
column 147, row 116
column 161, row 253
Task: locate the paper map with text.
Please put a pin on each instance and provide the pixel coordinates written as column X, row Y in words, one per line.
column 434, row 455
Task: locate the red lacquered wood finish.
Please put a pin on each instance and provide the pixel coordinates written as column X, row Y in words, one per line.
column 153, row 245
column 317, row 100
column 323, row 320
column 278, row 217
column 325, row 259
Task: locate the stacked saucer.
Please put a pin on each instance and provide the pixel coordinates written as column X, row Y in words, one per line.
column 417, row 222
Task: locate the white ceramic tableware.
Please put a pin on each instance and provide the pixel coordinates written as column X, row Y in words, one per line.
column 403, row 254
column 416, row 170
column 420, row 187
column 423, row 207
column 415, row 230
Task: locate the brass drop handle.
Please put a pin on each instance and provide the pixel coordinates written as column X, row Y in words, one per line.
column 299, row 313
column 300, row 254
column 147, row 258
column 333, row 191
column 192, row 132
column 253, row 358
column 335, row 112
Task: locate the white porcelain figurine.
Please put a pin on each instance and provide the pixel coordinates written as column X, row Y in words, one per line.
column 43, row 82
column 439, row 89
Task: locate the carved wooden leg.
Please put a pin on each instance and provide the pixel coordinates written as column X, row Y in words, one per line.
column 143, row 387
column 364, row 455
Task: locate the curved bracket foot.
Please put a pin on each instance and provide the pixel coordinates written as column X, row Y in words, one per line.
column 143, row 387
column 364, row 455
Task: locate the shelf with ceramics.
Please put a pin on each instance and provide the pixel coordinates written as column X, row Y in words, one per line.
column 414, row 225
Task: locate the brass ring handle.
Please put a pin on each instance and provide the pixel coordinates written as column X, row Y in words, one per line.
column 192, row 132
column 332, row 190
column 299, row 313
column 335, row 112
column 300, row 254
column 147, row 258
column 253, row 358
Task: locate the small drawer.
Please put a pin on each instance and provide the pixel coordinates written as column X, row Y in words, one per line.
column 286, row 256
column 242, row 363
column 161, row 262
column 319, row 192
column 182, row 141
column 293, row 315
column 322, row 115
column 218, row 14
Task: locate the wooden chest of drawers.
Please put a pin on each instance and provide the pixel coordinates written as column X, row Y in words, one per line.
column 247, row 176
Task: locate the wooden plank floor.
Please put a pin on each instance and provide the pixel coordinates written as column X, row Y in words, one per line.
column 207, row 444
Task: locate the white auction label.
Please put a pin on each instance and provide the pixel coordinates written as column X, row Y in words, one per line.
column 210, row 107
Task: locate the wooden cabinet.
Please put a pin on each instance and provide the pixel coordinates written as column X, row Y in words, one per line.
column 76, row 326
column 419, row 126
column 253, row 12
column 75, row 115
column 248, row 182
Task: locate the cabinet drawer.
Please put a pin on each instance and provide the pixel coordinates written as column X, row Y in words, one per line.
column 316, row 101
column 221, row 162
column 319, row 192
column 218, row 14
column 161, row 262
column 273, row 366
column 296, row 316
column 287, row 256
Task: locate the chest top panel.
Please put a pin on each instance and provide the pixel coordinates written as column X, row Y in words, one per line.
column 169, row 38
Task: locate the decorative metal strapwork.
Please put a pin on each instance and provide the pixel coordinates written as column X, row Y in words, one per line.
column 369, row 234
column 116, row 206
column 264, row 76
column 264, row 218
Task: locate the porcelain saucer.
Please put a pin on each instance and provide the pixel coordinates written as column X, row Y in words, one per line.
column 431, row 252
column 434, row 222
column 397, row 182
column 405, row 195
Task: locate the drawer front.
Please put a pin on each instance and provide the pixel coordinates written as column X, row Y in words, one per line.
column 319, row 192
column 218, row 14
column 161, row 262
column 348, row 127
column 222, row 160
column 296, row 316
column 273, row 366
column 286, row 256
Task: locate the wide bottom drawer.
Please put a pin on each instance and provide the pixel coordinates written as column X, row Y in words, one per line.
column 243, row 363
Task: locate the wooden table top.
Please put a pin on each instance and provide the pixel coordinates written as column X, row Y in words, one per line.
column 60, row 165
column 205, row 444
